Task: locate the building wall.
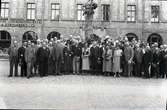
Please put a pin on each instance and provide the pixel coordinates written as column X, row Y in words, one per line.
column 67, row 25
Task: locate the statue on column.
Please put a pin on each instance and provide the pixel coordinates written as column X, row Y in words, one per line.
column 89, row 8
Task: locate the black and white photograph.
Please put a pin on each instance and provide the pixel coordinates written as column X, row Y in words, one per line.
column 83, row 54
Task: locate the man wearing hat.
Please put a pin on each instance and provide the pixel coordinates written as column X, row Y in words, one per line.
column 13, row 58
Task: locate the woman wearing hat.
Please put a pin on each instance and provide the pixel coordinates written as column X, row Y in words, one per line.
column 107, row 60
column 117, row 60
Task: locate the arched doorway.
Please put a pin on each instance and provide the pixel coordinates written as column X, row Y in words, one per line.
column 131, row 36
column 5, row 39
column 53, row 34
column 155, row 38
column 30, row 36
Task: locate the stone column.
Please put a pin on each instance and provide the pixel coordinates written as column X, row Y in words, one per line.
column 88, row 26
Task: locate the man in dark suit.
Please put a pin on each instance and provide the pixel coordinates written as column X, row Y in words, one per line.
column 57, row 55
column 138, row 56
column 42, row 59
column 99, row 59
column 155, row 61
column 22, row 62
column 13, row 58
column 93, row 57
column 128, row 54
column 162, row 61
column 147, row 62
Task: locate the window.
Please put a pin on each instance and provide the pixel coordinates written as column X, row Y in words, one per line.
column 5, row 39
column 131, row 13
column 155, row 13
column 31, row 8
column 4, row 10
column 55, row 11
column 80, row 12
column 106, row 12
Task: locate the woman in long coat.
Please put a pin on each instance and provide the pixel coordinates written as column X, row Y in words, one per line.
column 85, row 58
column 117, row 61
column 107, row 60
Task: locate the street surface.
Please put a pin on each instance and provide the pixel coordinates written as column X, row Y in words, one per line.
column 81, row 92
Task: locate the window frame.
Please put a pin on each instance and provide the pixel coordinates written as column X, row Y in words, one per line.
column 5, row 9
column 104, row 14
column 55, row 10
column 131, row 11
column 31, row 9
column 154, row 21
column 80, row 11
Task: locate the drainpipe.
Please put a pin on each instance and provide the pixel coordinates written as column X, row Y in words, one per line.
column 42, row 18
column 143, row 16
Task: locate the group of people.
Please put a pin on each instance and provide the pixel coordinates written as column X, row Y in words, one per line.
column 106, row 57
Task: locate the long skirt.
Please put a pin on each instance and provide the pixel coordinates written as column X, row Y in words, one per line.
column 85, row 63
column 116, row 64
column 107, row 66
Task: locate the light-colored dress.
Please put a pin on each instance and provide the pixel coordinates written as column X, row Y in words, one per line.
column 116, row 60
column 85, row 59
column 107, row 60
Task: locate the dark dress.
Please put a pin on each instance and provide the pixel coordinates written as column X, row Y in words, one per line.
column 94, row 59
column 42, row 59
column 99, row 60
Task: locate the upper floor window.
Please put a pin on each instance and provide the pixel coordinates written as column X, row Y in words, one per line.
column 155, row 13
column 55, row 11
column 106, row 12
column 31, row 11
column 80, row 12
column 4, row 11
column 131, row 13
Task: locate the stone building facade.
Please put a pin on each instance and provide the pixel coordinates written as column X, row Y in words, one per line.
column 143, row 19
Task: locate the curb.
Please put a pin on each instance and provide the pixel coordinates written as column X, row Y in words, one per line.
column 4, row 59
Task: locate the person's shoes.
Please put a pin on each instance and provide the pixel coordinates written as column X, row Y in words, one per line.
column 9, row 75
column 28, row 77
column 16, row 76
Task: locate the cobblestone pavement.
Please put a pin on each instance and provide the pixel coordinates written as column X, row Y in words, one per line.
column 81, row 92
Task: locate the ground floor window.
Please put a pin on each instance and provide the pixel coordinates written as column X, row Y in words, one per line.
column 5, row 39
